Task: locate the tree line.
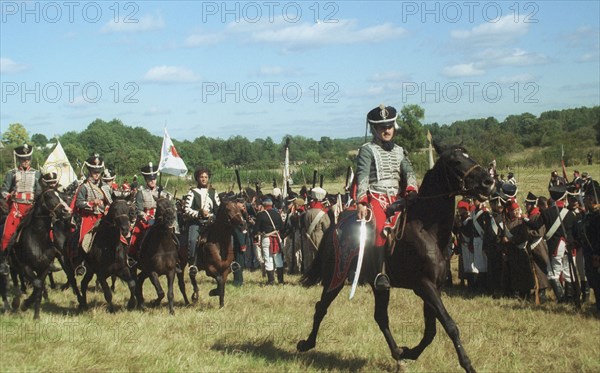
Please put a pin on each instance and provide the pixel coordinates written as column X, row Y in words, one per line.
column 126, row 148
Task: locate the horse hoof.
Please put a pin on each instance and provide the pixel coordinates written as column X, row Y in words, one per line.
column 111, row 309
column 83, row 307
column 304, row 346
column 194, row 297
column 213, row 292
column 156, row 302
column 131, row 305
column 172, row 312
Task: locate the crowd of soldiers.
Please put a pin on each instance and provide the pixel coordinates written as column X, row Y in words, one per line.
column 505, row 250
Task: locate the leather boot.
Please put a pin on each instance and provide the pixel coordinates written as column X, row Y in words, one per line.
column 558, row 290
column 270, row 278
column 280, row 276
column 585, row 292
column 382, row 281
column 569, row 292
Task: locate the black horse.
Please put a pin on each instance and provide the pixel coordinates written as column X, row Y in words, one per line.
column 32, row 248
column 418, row 259
column 159, row 253
column 108, row 254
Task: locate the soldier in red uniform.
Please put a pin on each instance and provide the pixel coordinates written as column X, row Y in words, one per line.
column 20, row 187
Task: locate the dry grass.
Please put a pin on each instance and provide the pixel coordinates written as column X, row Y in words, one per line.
column 259, row 327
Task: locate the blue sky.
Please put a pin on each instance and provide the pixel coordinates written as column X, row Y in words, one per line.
column 271, row 68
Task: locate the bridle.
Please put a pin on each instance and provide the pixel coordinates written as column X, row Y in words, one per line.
column 52, row 212
column 451, row 173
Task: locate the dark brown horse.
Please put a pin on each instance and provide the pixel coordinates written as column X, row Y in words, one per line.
column 159, row 253
column 216, row 255
column 418, row 261
column 108, row 254
column 32, row 250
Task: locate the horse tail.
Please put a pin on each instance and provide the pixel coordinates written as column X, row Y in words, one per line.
column 312, row 277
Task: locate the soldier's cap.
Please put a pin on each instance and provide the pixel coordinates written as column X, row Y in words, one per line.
column 276, row 192
column 584, row 175
column 558, row 192
column 508, row 190
column 318, row 193
column 462, row 204
column 24, row 151
column 511, row 206
column 267, row 202
column 383, row 116
column 50, row 177
column 531, row 198
column 94, row 163
column 108, row 175
column 149, row 171
column 299, row 202
column 554, row 173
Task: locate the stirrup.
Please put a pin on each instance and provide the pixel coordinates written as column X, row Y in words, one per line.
column 382, row 282
column 80, row 270
column 131, row 262
column 235, row 266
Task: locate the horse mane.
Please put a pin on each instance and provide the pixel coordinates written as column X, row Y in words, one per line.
column 28, row 217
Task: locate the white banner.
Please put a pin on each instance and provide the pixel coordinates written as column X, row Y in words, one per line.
column 170, row 161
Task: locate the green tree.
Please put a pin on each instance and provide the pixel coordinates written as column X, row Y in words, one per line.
column 39, row 139
column 411, row 135
column 15, row 135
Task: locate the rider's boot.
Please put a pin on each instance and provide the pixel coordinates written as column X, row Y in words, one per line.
column 382, row 281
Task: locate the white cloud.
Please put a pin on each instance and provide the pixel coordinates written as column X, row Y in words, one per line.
column 152, row 111
column 462, row 70
column 389, row 76
column 504, row 31
column 170, row 74
column 518, row 78
column 507, row 57
column 8, row 66
column 589, row 57
column 144, row 23
column 198, row 39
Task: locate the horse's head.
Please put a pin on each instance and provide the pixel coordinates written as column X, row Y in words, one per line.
column 166, row 212
column 230, row 213
column 51, row 202
column 463, row 174
column 118, row 216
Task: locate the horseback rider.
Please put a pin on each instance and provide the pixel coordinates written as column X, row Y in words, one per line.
column 145, row 206
column 20, row 187
column 108, row 185
column 384, row 174
column 201, row 205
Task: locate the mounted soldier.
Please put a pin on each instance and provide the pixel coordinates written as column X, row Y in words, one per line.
column 145, row 207
column 108, row 184
column 201, row 205
column 20, row 187
column 383, row 174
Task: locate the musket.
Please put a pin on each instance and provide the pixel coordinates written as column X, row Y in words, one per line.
column 346, row 186
column 314, row 183
column 321, row 181
column 239, row 181
column 572, row 268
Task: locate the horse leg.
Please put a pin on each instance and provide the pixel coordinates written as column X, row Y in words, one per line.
column 195, row 287
column 160, row 293
column 113, row 280
column 139, row 290
column 382, row 300
column 107, row 293
column 170, row 295
column 130, row 279
column 38, row 289
column 181, row 283
column 52, row 284
column 431, row 295
column 4, row 293
column 320, row 312
column 66, row 265
column 219, row 290
column 428, row 334
column 85, row 281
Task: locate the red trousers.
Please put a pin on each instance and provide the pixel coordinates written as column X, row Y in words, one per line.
column 15, row 214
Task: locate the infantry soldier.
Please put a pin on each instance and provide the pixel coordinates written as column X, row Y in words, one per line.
column 201, row 204
column 480, row 218
column 316, row 222
column 383, row 173
column 270, row 225
column 559, row 222
column 518, row 277
column 20, row 187
column 556, row 180
column 537, row 243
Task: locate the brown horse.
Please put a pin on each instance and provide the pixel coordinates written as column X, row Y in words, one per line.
column 159, row 253
column 216, row 256
column 418, row 261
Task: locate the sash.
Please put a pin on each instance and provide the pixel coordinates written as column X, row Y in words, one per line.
column 314, row 223
column 556, row 224
column 476, row 223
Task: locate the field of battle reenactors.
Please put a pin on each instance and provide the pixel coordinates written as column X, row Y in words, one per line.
column 235, row 272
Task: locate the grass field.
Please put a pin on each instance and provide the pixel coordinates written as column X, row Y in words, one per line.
column 259, row 327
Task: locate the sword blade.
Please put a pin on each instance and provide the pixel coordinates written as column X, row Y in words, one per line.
column 361, row 254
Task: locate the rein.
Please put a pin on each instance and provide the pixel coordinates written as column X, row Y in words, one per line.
column 461, row 182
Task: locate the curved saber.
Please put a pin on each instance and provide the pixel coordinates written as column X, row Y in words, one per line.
column 361, row 255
